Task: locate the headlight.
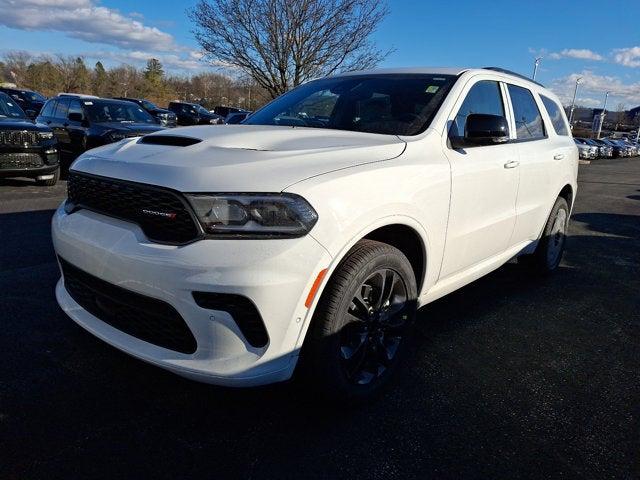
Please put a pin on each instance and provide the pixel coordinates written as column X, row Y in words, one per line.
column 45, row 135
column 253, row 215
column 215, row 121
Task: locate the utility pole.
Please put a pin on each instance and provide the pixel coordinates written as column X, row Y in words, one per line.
column 604, row 109
column 573, row 102
column 535, row 67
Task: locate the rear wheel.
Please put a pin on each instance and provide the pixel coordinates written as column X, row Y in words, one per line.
column 362, row 323
column 550, row 249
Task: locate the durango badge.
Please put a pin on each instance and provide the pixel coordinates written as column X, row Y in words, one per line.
column 155, row 213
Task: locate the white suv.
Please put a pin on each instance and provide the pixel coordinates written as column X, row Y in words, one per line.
column 312, row 232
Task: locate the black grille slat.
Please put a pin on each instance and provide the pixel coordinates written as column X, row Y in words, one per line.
column 145, row 318
column 20, row 160
column 18, row 138
column 162, row 214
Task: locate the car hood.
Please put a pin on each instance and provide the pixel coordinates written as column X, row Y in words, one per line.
column 238, row 158
column 22, row 124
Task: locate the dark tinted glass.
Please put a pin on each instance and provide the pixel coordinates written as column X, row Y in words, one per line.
column 9, row 108
column 49, row 108
column 529, row 125
column 100, row 111
column 387, row 104
column 75, row 107
column 63, row 108
column 484, row 97
column 555, row 113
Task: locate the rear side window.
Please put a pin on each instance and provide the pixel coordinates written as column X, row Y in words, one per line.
column 75, row 107
column 48, row 109
column 529, row 125
column 556, row 116
column 484, row 97
column 62, row 108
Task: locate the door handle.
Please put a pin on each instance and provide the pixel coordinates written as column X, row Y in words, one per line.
column 512, row 164
column 558, row 156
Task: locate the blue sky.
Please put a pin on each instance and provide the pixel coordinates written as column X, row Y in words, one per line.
column 597, row 41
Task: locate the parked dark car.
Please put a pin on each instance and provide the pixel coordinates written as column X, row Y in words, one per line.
column 235, row 118
column 619, row 150
column 606, row 150
column 27, row 149
column 194, row 114
column 81, row 122
column 165, row 117
column 29, row 101
column 226, row 111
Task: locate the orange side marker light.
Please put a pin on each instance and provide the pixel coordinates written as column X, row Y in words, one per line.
column 315, row 287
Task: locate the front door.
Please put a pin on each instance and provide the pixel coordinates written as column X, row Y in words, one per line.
column 484, row 185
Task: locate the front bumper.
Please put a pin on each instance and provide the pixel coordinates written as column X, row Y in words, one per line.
column 275, row 275
column 28, row 161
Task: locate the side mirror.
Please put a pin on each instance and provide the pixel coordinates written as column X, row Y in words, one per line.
column 76, row 117
column 483, row 129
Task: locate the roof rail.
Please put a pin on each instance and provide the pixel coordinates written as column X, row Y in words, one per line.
column 509, row 72
column 76, row 95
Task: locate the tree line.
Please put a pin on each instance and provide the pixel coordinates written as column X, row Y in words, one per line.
column 51, row 75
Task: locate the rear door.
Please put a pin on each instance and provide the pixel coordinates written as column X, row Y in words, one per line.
column 76, row 130
column 59, row 125
column 540, row 154
column 484, row 184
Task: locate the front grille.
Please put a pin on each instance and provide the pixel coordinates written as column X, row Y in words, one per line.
column 162, row 214
column 20, row 160
column 143, row 317
column 18, row 138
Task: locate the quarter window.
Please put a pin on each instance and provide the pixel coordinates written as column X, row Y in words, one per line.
column 529, row 125
column 484, row 97
column 556, row 116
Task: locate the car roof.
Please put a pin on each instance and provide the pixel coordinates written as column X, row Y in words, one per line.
column 439, row 71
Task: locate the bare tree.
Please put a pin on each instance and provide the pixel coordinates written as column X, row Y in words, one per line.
column 283, row 43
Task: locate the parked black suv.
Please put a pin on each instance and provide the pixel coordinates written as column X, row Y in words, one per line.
column 81, row 122
column 29, row 101
column 165, row 117
column 194, row 114
column 27, row 149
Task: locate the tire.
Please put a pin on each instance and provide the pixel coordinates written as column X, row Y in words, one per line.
column 353, row 347
column 550, row 249
column 52, row 181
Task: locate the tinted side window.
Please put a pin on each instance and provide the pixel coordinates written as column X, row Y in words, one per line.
column 48, row 109
column 555, row 113
column 484, row 97
column 529, row 125
column 75, row 107
column 62, row 108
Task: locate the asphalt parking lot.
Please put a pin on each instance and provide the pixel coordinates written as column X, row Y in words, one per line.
column 511, row 377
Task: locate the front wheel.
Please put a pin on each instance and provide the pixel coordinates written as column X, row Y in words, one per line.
column 362, row 323
column 550, row 249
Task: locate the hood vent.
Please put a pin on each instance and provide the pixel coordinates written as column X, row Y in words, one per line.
column 170, row 140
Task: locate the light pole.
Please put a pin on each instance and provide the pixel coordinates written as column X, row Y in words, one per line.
column 535, row 67
column 604, row 109
column 573, row 102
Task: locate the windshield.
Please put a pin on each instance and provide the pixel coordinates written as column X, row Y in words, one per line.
column 9, row 109
column 148, row 105
column 32, row 96
column 123, row 112
column 388, row 104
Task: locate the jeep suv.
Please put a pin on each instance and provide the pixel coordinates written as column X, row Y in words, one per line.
column 194, row 114
column 82, row 122
column 311, row 233
column 29, row 101
column 165, row 117
column 27, row 149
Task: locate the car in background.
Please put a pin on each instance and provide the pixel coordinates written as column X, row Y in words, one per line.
column 27, row 149
column 618, row 150
column 194, row 114
column 236, row 117
column 82, row 122
column 585, row 151
column 605, row 150
column 29, row 101
column 226, row 111
column 165, row 117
